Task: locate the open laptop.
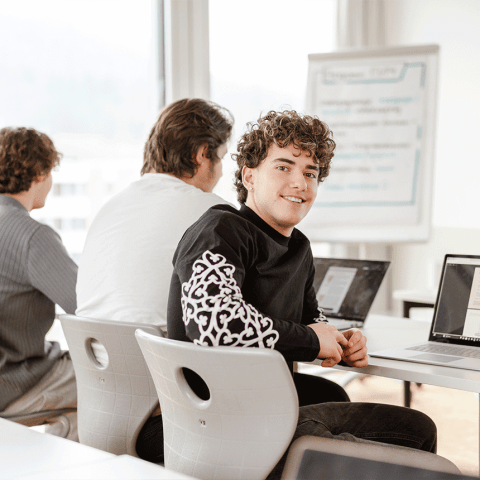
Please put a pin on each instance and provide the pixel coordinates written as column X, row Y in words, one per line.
column 316, row 458
column 454, row 339
column 347, row 288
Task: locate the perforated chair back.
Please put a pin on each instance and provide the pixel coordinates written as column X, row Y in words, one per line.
column 115, row 400
column 246, row 425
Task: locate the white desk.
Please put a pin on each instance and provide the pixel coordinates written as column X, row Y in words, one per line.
column 24, row 451
column 122, row 467
column 384, row 332
column 27, row 454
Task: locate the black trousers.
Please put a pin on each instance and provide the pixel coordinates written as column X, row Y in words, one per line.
column 364, row 423
column 311, row 391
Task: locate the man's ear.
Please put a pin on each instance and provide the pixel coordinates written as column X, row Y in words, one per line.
column 247, row 177
column 39, row 178
column 201, row 155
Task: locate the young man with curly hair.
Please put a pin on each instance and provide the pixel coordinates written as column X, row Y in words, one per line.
column 245, row 278
column 126, row 266
column 35, row 274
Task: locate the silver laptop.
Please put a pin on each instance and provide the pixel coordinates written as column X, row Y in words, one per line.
column 346, row 289
column 316, row 458
column 454, row 339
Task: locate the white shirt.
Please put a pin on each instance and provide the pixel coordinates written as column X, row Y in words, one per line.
column 126, row 267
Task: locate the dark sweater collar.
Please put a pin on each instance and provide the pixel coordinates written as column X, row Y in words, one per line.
column 264, row 226
column 7, row 201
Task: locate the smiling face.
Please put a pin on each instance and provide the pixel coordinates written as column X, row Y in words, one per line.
column 282, row 189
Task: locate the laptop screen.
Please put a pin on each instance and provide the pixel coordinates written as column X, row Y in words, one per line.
column 457, row 310
column 317, row 465
column 347, row 288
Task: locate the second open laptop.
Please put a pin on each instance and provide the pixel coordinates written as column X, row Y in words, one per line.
column 317, row 458
column 454, row 339
column 346, row 289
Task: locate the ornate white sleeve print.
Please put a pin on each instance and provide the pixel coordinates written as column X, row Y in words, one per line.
column 213, row 300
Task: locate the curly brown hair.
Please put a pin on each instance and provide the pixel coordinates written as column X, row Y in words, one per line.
column 25, row 155
column 307, row 133
column 181, row 129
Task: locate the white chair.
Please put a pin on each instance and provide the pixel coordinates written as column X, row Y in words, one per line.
column 245, row 426
column 114, row 400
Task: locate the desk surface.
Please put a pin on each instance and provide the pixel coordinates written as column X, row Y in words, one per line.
column 123, row 467
column 24, row 451
column 384, row 332
column 27, row 454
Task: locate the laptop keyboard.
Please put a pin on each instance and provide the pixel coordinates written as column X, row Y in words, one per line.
column 471, row 352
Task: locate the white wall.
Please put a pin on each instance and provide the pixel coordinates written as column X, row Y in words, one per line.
column 454, row 25
column 418, row 266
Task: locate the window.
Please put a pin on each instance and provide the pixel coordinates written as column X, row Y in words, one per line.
column 85, row 73
column 68, row 189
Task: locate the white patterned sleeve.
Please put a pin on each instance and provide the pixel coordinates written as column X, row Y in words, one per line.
column 215, row 312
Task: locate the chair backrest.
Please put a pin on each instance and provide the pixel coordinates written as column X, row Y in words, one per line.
column 243, row 428
column 115, row 400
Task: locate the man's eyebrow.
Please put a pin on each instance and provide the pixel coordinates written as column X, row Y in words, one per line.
column 291, row 162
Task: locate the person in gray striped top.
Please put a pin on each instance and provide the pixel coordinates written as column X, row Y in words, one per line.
column 35, row 274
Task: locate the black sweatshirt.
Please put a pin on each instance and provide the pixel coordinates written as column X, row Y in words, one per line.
column 239, row 282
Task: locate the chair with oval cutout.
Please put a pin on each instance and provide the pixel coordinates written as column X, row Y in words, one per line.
column 115, row 391
column 239, row 424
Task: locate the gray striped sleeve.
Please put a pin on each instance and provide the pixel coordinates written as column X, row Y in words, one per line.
column 51, row 270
